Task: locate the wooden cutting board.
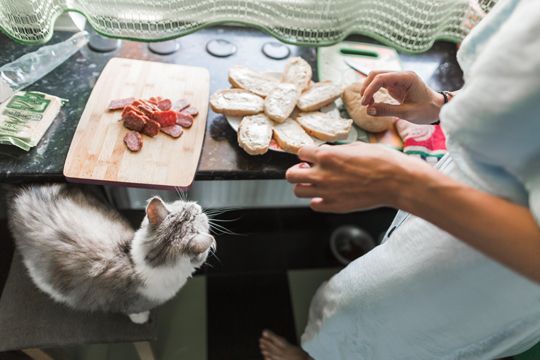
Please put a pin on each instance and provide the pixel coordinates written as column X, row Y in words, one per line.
column 98, row 154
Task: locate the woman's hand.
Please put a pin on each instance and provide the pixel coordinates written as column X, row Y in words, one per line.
column 351, row 177
column 418, row 103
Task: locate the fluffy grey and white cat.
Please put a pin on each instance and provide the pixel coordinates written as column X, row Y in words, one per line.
column 85, row 255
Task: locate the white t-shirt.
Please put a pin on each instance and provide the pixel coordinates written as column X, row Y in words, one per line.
column 493, row 124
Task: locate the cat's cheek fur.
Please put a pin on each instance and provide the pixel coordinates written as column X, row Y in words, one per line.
column 163, row 282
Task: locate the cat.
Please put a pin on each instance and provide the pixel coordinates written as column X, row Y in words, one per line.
column 85, row 255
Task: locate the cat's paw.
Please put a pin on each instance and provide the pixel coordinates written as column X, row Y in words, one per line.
column 140, row 318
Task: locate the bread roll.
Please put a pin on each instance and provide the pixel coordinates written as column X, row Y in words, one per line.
column 352, row 100
column 236, row 102
column 319, row 95
column 247, row 79
column 324, row 126
column 298, row 72
column 255, row 134
column 290, row 136
column 281, row 101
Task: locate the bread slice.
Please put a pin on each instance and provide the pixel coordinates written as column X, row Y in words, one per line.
column 290, row 136
column 319, row 95
column 298, row 72
column 358, row 112
column 281, row 101
column 255, row 134
column 236, row 102
column 247, row 79
column 324, row 126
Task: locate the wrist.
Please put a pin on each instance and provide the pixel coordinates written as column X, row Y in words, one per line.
column 432, row 108
column 415, row 186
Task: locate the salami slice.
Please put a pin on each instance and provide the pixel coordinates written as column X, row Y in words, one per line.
column 151, row 128
column 133, row 141
column 175, row 131
column 180, row 104
column 192, row 110
column 131, row 108
column 144, row 108
column 165, row 118
column 118, row 104
column 134, row 121
column 164, row 104
column 155, row 99
column 184, row 120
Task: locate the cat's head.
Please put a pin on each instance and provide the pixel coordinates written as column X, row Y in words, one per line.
column 173, row 232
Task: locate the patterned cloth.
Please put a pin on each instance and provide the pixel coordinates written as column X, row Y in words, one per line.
column 425, row 141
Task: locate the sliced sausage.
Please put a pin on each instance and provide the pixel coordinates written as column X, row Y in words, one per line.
column 118, row 104
column 175, row 131
column 144, row 108
column 134, row 121
column 180, row 105
column 133, row 141
column 192, row 110
column 151, row 128
column 164, row 104
column 184, row 120
column 165, row 118
column 131, row 108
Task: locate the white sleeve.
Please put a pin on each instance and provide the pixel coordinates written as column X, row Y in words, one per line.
column 495, row 119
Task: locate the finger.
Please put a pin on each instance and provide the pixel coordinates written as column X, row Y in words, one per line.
column 299, row 175
column 308, row 153
column 369, row 79
column 306, row 191
column 328, row 207
column 384, row 109
column 378, row 82
column 319, row 204
column 268, row 346
column 275, row 339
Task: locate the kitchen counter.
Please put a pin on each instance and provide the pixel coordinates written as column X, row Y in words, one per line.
column 221, row 157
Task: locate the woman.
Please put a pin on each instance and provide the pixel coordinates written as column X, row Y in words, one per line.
column 457, row 274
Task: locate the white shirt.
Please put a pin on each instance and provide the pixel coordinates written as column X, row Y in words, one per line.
column 493, row 124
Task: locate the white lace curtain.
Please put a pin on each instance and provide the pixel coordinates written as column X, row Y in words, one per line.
column 409, row 25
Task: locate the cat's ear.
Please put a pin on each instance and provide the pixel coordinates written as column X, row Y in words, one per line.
column 200, row 244
column 156, row 211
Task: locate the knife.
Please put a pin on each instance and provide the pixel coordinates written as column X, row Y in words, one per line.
column 364, row 70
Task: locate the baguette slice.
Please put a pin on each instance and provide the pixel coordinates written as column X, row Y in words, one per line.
column 358, row 112
column 298, row 72
column 236, row 102
column 255, row 134
column 318, row 96
column 281, row 101
column 325, row 126
column 247, row 79
column 290, row 136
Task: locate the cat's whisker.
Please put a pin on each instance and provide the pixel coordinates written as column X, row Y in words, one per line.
column 219, row 229
column 219, row 210
column 225, row 220
column 182, row 195
column 213, row 253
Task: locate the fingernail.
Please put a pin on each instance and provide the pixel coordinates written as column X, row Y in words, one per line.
column 304, row 165
column 371, row 111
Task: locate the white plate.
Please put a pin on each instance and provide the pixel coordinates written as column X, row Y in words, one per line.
column 234, row 122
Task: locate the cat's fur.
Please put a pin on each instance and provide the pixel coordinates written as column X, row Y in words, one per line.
column 84, row 254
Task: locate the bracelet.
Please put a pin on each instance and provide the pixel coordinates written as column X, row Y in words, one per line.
column 447, row 95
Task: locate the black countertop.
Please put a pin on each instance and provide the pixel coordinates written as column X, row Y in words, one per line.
column 221, row 157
